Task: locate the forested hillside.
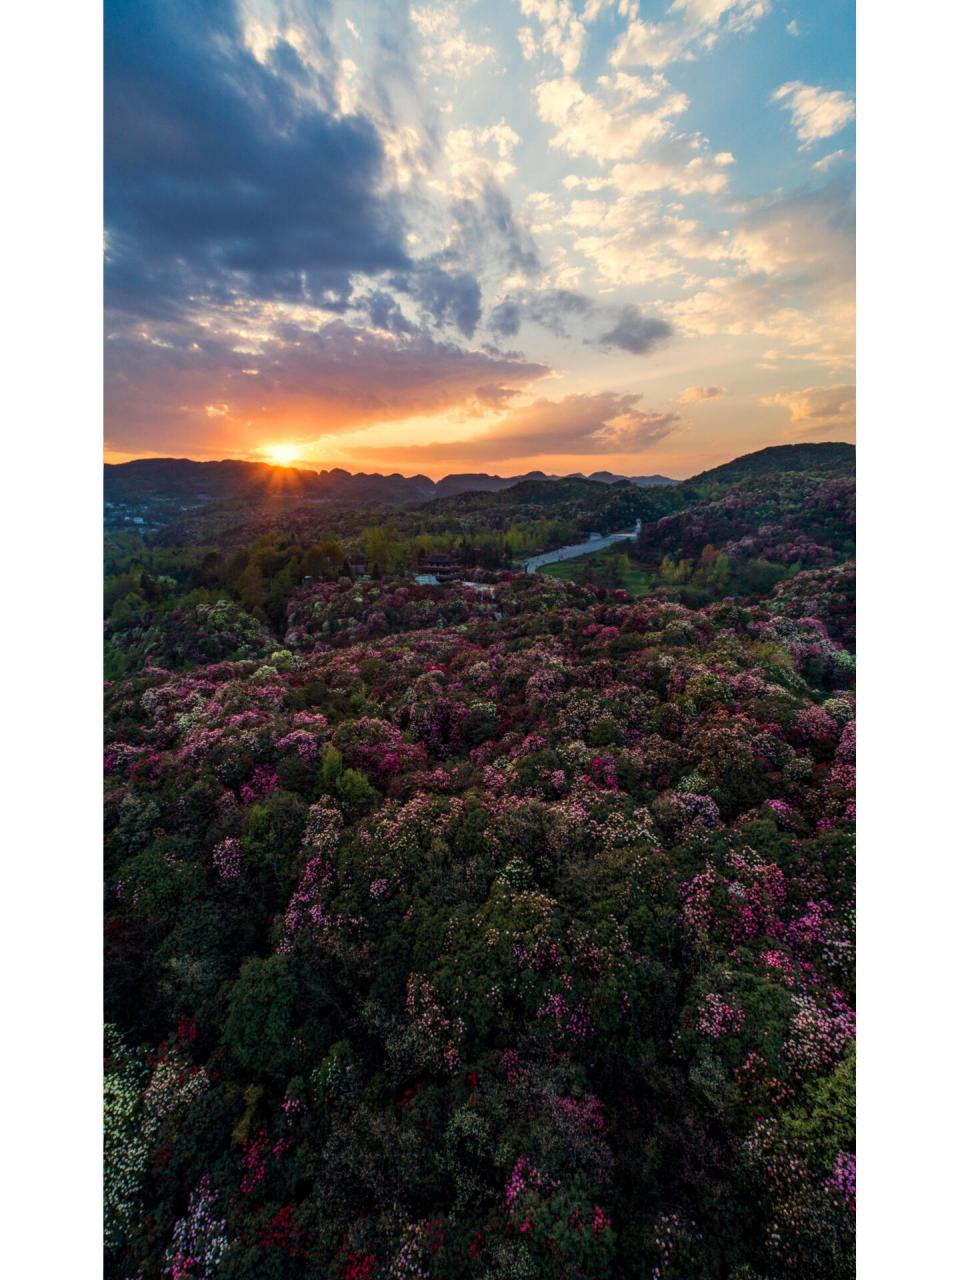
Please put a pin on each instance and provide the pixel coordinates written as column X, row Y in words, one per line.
column 741, row 530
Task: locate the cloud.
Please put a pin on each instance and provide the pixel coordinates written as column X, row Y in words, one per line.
column 506, row 317
column 271, row 372
column 682, row 164
column 628, row 125
column 384, row 312
column 819, row 410
column 736, row 15
column 601, row 422
column 689, row 28
column 483, row 239
column 479, row 231
column 636, row 332
column 562, row 32
column 828, row 161
column 630, row 242
column 814, row 113
column 229, row 166
column 447, row 46
column 548, row 308
column 473, row 151
column 693, row 395
column 297, row 235
column 485, row 230
column 447, row 297
column 552, row 309
column 608, row 125
column 807, row 236
column 648, row 44
column 792, row 280
column 242, row 172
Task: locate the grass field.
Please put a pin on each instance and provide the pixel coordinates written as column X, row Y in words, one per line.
column 634, row 579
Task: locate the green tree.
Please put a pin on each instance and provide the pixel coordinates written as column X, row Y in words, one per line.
column 260, row 1017
column 355, row 794
column 251, row 589
column 323, row 559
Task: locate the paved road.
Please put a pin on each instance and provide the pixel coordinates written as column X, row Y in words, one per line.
column 573, row 550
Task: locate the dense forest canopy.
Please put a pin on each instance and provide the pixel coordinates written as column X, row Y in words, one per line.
column 497, row 928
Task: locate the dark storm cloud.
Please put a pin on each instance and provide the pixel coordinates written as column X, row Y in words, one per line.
column 549, row 308
column 636, row 332
column 505, row 317
column 384, row 312
column 553, row 309
column 447, row 297
column 222, row 173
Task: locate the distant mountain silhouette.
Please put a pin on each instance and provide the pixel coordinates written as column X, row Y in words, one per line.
column 645, row 482
column 479, row 482
column 187, row 482
column 181, row 481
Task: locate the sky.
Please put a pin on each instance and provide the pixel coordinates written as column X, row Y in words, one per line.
column 492, row 235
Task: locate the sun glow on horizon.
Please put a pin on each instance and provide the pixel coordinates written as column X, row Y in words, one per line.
column 282, row 455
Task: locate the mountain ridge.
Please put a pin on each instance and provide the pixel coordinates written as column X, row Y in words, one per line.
column 187, row 479
column 826, row 455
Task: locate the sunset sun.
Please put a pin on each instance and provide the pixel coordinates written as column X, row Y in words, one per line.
column 281, row 455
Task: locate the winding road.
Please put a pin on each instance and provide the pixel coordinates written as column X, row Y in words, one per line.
column 574, row 550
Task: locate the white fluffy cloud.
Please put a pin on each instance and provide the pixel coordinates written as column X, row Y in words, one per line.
column 607, row 126
column 475, row 153
column 450, row 49
column 683, row 165
column 688, row 27
column 631, row 242
column 563, row 32
column 648, row 44
column 739, row 15
column 630, row 123
column 628, row 127
column 815, row 113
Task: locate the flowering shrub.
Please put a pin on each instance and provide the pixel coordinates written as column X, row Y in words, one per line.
column 181, row 638
column 198, row 1242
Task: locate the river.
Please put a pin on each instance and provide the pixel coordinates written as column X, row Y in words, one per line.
column 574, row 550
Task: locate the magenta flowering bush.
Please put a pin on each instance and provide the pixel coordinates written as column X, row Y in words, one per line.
column 827, row 594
